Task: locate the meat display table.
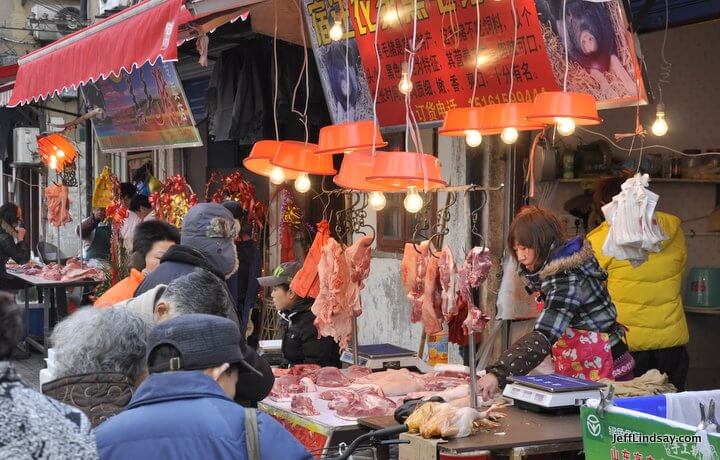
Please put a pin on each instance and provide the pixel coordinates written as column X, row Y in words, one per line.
column 48, row 287
column 521, row 433
column 319, row 434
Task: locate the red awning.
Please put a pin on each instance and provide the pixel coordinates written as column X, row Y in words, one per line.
column 137, row 35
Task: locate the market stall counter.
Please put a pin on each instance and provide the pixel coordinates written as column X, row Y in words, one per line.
column 319, row 434
column 52, row 280
column 521, row 433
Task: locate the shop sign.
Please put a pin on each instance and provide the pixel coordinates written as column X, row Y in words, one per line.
column 602, row 54
column 616, row 436
column 142, row 110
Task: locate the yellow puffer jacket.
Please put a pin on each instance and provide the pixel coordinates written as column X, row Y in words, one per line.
column 648, row 297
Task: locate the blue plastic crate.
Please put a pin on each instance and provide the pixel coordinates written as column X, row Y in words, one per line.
column 35, row 321
column 652, row 405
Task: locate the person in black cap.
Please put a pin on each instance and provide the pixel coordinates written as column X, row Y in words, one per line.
column 184, row 409
column 300, row 342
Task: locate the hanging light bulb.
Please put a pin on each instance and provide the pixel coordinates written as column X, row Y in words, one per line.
column 473, row 138
column 660, row 126
column 377, row 201
column 413, row 201
column 405, row 86
column 52, row 164
column 509, row 135
column 336, row 31
column 302, row 183
column 565, row 126
column 277, row 175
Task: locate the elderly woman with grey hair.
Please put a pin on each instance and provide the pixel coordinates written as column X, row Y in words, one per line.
column 99, row 360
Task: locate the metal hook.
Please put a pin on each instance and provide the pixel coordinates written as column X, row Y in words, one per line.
column 606, row 400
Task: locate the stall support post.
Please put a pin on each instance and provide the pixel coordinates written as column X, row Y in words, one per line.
column 471, row 337
column 355, row 341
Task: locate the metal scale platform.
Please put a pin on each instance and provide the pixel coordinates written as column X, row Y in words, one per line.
column 551, row 393
column 383, row 356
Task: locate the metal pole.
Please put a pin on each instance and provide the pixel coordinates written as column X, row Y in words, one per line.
column 355, row 341
column 471, row 337
column 80, row 210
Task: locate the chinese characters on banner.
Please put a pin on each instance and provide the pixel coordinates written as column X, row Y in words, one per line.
column 446, row 57
column 144, row 109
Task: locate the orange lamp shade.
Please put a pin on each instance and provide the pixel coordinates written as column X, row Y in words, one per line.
column 355, row 168
column 301, row 157
column 57, row 145
column 260, row 157
column 510, row 115
column 399, row 170
column 348, row 137
column 457, row 121
column 551, row 105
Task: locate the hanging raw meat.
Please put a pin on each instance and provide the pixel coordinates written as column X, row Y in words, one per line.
column 456, row 332
column 58, row 205
column 447, row 282
column 417, row 290
column 358, row 257
column 408, row 268
column 430, row 300
column 473, row 272
column 333, row 314
column 306, row 282
column 476, row 321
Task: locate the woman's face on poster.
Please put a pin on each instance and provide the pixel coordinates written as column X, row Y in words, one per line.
column 588, row 43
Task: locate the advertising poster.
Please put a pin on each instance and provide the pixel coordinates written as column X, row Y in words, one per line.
column 602, row 58
column 142, row 110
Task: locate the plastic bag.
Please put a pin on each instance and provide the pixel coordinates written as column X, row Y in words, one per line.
column 102, row 193
column 634, row 230
column 513, row 301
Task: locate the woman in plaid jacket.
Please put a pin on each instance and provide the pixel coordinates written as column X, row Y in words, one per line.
column 577, row 324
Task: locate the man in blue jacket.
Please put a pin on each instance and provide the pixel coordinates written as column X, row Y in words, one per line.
column 184, row 409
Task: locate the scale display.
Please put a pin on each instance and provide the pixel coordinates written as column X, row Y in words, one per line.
column 555, row 383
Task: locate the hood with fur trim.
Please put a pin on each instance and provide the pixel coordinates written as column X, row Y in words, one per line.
column 575, row 255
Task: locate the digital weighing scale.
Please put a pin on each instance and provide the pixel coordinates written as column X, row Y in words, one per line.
column 551, row 393
column 383, row 356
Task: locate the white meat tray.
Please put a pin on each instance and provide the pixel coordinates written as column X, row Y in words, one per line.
column 327, row 416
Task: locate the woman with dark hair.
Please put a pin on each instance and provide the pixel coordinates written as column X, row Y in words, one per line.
column 34, row 425
column 12, row 244
column 150, row 242
column 578, row 322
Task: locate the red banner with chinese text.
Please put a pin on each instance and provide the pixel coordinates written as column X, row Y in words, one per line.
column 446, row 57
column 444, row 71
